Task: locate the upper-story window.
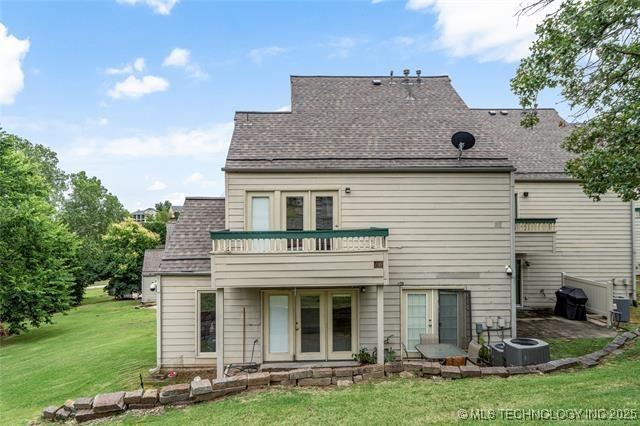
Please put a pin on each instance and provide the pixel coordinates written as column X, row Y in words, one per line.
column 292, row 211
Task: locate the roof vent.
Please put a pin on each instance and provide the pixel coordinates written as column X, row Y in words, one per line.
column 406, row 74
column 376, row 82
column 492, row 112
column 504, row 112
column 391, row 77
column 418, row 80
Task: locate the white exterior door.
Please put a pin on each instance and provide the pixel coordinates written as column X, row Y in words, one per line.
column 419, row 316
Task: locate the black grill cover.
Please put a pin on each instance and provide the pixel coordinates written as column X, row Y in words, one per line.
column 570, row 303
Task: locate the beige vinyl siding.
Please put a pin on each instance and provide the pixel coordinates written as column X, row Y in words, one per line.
column 368, row 316
column 149, row 296
column 592, row 239
column 298, row 269
column 235, row 299
column 447, row 230
column 179, row 313
column 535, row 242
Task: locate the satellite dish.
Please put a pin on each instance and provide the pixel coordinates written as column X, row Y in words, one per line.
column 462, row 141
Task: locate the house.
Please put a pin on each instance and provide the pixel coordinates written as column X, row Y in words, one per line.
column 151, row 274
column 352, row 220
column 141, row 216
column 559, row 229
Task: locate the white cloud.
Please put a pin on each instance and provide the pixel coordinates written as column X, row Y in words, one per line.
column 181, row 58
column 101, row 122
column 258, row 55
column 196, row 143
column 157, row 186
column 137, row 65
column 341, row 46
column 284, row 108
column 403, row 41
column 177, row 58
column 487, row 30
column 160, row 7
column 12, row 52
column 376, row 1
column 133, row 87
column 176, row 198
column 194, row 177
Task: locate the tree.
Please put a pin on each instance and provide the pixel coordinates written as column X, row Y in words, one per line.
column 124, row 244
column 37, row 251
column 158, row 223
column 88, row 210
column 590, row 49
column 47, row 163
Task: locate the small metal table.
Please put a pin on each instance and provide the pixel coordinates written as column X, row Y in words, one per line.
column 440, row 351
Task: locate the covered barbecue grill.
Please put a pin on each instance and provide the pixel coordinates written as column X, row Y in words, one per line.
column 571, row 303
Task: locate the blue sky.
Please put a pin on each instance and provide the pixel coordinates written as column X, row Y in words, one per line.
column 141, row 93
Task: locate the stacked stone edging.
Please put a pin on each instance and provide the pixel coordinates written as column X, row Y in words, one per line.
column 109, row 404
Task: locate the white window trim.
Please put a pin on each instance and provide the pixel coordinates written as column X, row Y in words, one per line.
column 207, row 355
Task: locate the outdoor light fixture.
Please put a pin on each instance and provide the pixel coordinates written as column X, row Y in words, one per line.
column 347, row 190
column 508, row 270
column 152, row 287
column 525, row 194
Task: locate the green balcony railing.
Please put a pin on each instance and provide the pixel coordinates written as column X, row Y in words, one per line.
column 299, row 241
column 535, row 225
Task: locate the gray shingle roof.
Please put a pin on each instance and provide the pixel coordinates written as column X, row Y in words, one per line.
column 188, row 245
column 151, row 262
column 537, row 152
column 339, row 123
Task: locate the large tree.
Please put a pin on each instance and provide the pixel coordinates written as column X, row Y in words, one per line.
column 158, row 223
column 88, row 210
column 37, row 251
column 46, row 161
column 590, row 50
column 124, row 244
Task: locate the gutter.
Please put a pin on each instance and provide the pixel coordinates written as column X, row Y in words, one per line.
column 634, row 269
column 512, row 254
column 499, row 169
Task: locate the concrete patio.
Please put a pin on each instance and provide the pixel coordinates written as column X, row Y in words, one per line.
column 542, row 324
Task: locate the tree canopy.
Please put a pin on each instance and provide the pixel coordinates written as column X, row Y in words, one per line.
column 158, row 223
column 37, row 251
column 590, row 50
column 124, row 244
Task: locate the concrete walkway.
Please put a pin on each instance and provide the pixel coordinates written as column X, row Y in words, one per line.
column 548, row 326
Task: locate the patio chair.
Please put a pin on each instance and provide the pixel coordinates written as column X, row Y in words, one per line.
column 428, row 339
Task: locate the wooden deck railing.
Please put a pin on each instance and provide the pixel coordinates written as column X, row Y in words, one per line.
column 535, row 225
column 299, row 241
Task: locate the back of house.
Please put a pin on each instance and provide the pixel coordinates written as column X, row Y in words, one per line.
column 352, row 223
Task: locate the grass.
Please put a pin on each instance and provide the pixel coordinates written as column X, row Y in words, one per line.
column 614, row 385
column 103, row 345
column 100, row 346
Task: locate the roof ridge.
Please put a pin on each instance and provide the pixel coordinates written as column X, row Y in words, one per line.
column 367, row 76
column 203, row 198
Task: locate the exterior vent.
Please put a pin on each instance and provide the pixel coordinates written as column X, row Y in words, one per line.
column 492, row 112
column 376, row 82
column 504, row 112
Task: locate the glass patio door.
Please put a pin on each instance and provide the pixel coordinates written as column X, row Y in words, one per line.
column 278, row 321
column 310, row 326
column 418, row 317
column 342, row 322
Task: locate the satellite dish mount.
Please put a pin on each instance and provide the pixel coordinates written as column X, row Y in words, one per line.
column 462, row 141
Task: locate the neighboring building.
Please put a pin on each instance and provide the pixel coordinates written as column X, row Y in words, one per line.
column 141, row 216
column 558, row 228
column 352, row 218
column 151, row 273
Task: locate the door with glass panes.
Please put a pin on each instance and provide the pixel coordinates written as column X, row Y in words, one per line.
column 310, row 324
column 309, row 210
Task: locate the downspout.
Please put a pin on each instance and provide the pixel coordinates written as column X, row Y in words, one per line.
column 158, row 327
column 512, row 228
column 634, row 268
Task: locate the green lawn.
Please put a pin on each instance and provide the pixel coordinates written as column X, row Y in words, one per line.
column 104, row 345
column 100, row 346
column 614, row 385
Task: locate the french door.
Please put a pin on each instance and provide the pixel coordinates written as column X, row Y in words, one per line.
column 419, row 317
column 310, row 324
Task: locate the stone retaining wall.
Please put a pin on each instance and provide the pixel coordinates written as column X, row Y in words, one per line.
column 109, row 404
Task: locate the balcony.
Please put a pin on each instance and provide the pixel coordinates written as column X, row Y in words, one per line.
column 535, row 225
column 535, row 235
column 286, row 259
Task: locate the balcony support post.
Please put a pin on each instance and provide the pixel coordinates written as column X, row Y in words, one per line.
column 380, row 323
